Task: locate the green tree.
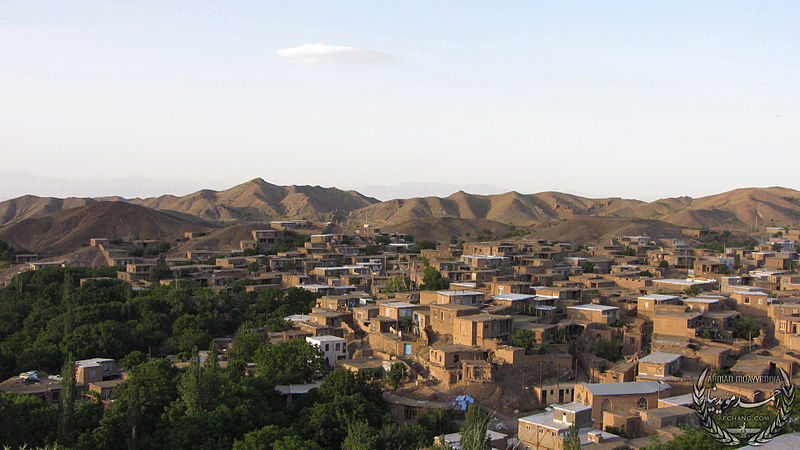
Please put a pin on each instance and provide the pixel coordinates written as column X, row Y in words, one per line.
column 610, row 350
column 524, row 338
column 664, row 264
column 692, row 291
column 571, row 439
column 66, row 429
column 359, row 436
column 628, row 251
column 26, row 419
column 645, row 273
column 473, row 432
column 162, row 272
column 292, row 361
column 432, row 280
column 252, row 267
column 436, row 422
column 396, row 374
column 246, row 343
column 249, row 252
column 588, row 266
column 746, row 328
column 398, row 283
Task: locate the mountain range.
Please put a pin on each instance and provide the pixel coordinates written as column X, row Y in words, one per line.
column 459, row 213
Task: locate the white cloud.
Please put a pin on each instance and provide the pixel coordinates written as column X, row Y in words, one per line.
column 320, row 53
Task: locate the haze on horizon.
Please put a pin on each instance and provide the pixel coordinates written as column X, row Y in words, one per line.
column 631, row 99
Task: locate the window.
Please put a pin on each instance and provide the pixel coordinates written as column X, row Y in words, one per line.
column 747, row 300
column 541, row 430
column 642, row 403
column 327, row 347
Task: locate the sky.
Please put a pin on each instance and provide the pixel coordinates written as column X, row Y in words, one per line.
column 631, row 99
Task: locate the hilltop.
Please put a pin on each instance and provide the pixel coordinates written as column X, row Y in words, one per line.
column 68, row 229
column 255, row 200
column 737, row 208
column 45, row 223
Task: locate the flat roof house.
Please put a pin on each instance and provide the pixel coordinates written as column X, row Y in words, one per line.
column 482, row 329
column 333, row 348
column 593, row 313
column 620, row 396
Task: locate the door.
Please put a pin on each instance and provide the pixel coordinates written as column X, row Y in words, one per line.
column 406, row 349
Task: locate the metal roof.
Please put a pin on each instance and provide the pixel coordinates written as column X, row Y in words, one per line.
column 626, row 388
column 660, row 358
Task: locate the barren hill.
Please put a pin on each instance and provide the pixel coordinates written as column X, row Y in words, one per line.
column 441, row 229
column 585, row 229
column 259, row 200
column 66, row 230
column 253, row 200
column 739, row 207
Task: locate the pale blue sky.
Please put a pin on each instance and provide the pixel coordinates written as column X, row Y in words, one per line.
column 632, row 99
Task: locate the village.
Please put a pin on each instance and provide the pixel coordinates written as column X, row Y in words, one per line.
column 609, row 338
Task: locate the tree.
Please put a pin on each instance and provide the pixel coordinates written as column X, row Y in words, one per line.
column 645, row 273
column 692, row 291
column 777, row 247
column 252, row 267
column 571, row 439
column 473, row 432
column 436, row 422
column 433, row 281
column 286, row 362
column 398, row 283
column 610, row 350
column 746, row 328
column 66, row 429
column 664, row 264
column 162, row 272
column 197, row 386
column 588, row 266
column 628, row 251
column 524, row 338
column 359, row 436
column 396, row 374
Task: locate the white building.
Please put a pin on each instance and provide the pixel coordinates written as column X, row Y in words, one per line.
column 333, row 348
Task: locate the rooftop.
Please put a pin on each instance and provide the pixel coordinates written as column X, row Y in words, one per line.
column 513, row 297
column 574, row 407
column 626, row 388
column 457, row 293
column 326, row 338
column 683, row 282
column 594, row 307
column 660, row 358
column 701, row 300
column 399, row 305
column 659, row 297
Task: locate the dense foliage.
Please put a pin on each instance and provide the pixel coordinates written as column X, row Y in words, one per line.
column 48, row 317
